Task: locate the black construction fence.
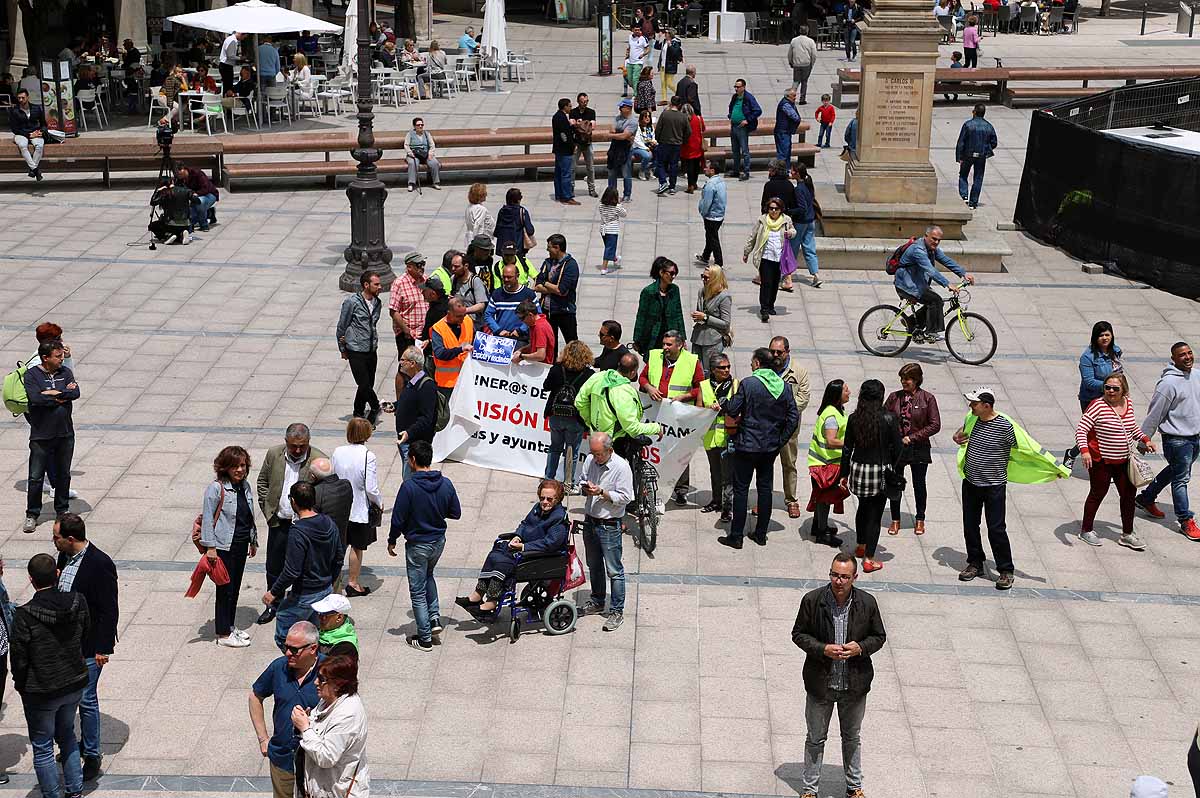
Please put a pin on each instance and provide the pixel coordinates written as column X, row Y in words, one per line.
column 1131, row 206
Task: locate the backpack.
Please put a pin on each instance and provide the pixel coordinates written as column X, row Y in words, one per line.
column 893, row 262
column 442, row 418
column 16, row 400
column 563, row 403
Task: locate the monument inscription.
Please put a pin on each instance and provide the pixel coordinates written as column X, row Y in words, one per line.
column 898, row 119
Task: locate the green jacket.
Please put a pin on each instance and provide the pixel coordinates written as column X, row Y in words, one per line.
column 649, row 327
column 1028, row 464
column 620, row 414
column 343, row 634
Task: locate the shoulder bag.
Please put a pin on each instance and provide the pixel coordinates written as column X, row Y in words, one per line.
column 526, row 240
column 1140, row 472
column 198, row 524
column 374, row 511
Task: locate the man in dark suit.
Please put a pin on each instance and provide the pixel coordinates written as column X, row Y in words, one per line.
column 283, row 466
column 688, row 91
column 28, row 125
column 85, row 569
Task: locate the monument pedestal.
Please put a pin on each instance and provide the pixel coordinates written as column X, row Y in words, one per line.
column 842, row 218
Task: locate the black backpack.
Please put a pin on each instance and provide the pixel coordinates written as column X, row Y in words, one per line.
column 563, row 403
column 893, row 262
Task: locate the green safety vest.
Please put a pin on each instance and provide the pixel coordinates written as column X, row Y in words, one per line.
column 1028, row 464
column 681, row 377
column 716, row 436
column 818, row 453
column 525, row 272
column 443, row 277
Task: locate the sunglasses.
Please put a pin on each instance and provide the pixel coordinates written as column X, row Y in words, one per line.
column 1113, row 388
column 724, row 367
column 296, row 650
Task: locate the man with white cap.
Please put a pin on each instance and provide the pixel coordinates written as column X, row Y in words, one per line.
column 990, row 439
column 337, row 635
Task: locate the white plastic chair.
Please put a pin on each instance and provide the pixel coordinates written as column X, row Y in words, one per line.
column 306, row 96
column 209, row 107
column 249, row 114
column 444, row 80
column 159, row 103
column 88, row 102
column 401, row 85
column 338, row 90
column 277, row 100
column 466, row 69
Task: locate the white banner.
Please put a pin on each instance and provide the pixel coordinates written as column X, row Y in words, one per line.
column 497, row 421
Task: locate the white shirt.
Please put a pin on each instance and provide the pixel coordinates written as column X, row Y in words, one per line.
column 291, row 475
column 356, row 464
column 616, row 480
column 229, row 50
column 637, row 49
column 774, row 247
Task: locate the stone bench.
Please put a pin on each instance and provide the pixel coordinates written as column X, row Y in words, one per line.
column 983, row 255
column 117, row 154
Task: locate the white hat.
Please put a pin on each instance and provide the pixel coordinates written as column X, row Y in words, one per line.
column 334, row 602
column 982, row 393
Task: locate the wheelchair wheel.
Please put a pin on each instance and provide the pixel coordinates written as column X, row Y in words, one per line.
column 514, row 629
column 560, row 617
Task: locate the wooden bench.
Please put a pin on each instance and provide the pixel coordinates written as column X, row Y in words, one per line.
column 1015, row 95
column 528, row 161
column 118, row 154
column 987, row 82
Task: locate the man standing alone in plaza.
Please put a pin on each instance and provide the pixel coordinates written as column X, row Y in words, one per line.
column 989, row 438
column 1175, row 412
column 564, row 154
column 583, row 119
column 838, row 628
column 87, row 570
column 607, row 482
column 976, row 143
column 358, row 341
column 292, row 681
column 802, row 55
column 283, row 466
column 52, row 390
column 48, row 671
column 744, row 112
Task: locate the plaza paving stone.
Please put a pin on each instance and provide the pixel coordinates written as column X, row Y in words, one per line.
column 1070, row 685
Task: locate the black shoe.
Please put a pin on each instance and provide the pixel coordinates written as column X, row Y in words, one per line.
column 267, row 616
column 763, row 316
column 759, row 539
column 711, row 507
column 828, row 539
column 726, row 517
column 91, row 768
column 730, row 541
column 354, row 592
column 466, row 603
column 680, row 499
column 419, row 644
column 373, row 417
column 3, row 777
column 38, row 174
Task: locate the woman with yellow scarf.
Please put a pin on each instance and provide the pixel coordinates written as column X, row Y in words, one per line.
column 765, row 247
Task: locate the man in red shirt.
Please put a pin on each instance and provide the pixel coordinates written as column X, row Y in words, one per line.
column 541, row 336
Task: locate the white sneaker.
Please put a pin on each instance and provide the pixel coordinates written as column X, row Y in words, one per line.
column 49, row 491
column 233, row 641
column 241, row 634
column 1091, row 538
column 1131, row 541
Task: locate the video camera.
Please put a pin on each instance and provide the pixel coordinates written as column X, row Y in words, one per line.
column 164, row 136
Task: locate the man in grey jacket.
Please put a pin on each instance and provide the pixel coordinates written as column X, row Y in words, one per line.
column 358, row 341
column 1175, row 412
column 802, row 56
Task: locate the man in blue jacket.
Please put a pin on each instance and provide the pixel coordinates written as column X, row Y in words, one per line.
column 744, row 112
column 976, row 143
column 787, row 122
column 422, row 506
column 915, row 274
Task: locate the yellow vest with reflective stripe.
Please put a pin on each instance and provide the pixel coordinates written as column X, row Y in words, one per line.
column 525, row 271
column 444, row 278
column 818, row 453
column 716, row 436
column 681, row 377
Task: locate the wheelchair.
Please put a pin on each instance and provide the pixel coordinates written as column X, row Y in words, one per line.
column 541, row 598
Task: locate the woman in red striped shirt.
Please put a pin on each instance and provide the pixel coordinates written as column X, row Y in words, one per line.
column 1104, row 435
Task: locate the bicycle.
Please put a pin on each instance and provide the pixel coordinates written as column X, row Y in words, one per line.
column 645, row 498
column 887, row 330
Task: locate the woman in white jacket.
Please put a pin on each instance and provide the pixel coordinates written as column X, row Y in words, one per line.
column 333, row 735
column 479, row 219
column 356, row 464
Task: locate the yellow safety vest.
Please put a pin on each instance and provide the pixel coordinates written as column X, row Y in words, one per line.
column 716, row 436
column 443, row 277
column 525, row 271
column 818, row 453
column 681, row 377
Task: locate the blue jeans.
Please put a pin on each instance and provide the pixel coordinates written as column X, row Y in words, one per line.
column 405, row 469
column 783, row 146
column 666, row 158
column 1180, row 452
column 806, row 240
column 626, row 172
column 296, row 607
column 56, row 451
column 52, row 720
column 89, row 712
column 419, row 560
column 645, row 156
column 976, row 184
column 610, row 246
column 602, row 548
column 740, row 136
column 565, row 433
column 564, row 177
column 823, row 135
column 200, row 211
column 851, row 35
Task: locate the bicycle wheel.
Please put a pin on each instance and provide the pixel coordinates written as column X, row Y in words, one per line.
column 649, row 517
column 971, row 339
column 882, row 333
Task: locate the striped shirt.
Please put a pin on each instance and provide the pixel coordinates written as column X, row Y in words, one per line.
column 1113, row 431
column 66, row 579
column 987, row 451
column 610, row 218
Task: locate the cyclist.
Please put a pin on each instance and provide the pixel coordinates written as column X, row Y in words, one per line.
column 913, row 280
column 608, row 402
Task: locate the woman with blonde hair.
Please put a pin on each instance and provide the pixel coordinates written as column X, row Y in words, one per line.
column 356, row 464
column 713, row 317
column 561, row 386
column 301, row 76
column 479, row 219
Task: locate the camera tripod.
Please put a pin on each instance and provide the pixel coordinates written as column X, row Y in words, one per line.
column 166, row 175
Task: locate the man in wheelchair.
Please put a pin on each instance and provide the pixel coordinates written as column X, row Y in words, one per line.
column 543, row 533
column 913, row 277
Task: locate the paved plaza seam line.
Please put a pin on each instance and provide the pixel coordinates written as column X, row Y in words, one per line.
column 398, row 787
column 721, row 580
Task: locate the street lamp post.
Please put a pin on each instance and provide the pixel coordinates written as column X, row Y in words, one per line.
column 368, row 247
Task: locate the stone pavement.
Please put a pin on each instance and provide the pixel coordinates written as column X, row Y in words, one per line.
column 1070, row 685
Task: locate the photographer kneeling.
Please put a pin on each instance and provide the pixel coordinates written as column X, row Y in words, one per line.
column 175, row 202
column 206, row 193
column 418, row 149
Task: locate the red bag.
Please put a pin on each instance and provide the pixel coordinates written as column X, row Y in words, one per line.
column 575, row 574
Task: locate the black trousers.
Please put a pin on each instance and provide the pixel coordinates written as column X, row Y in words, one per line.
column 761, row 466
column 989, row 502
column 567, row 323
column 712, row 241
column 226, row 71
column 1193, row 760
column 692, row 167
column 227, row 595
column 362, row 366
column 768, row 290
column 931, row 316
column 277, row 537
column 403, row 342
column 920, row 491
column 867, row 520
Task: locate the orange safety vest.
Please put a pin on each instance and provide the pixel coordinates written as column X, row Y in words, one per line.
column 446, row 371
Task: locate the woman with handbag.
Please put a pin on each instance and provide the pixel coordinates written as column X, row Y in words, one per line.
column 824, row 462
column 1101, row 358
column 712, row 320
column 764, row 250
column 356, row 464
column 920, row 420
column 331, row 760
column 1106, row 435
column 227, row 533
column 513, row 224
column 869, row 456
column 692, row 153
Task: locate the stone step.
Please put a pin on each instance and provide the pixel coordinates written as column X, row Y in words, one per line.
column 982, row 254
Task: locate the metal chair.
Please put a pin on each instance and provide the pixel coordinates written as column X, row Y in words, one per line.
column 694, row 19
column 1029, row 19
column 88, row 102
column 753, row 27
column 208, row 107
column 947, row 23
column 1055, row 21
column 827, row 31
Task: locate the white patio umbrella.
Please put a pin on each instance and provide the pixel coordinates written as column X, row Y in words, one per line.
column 493, row 46
column 254, row 17
column 350, row 39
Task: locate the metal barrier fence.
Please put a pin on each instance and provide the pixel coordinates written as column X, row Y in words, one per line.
column 1175, row 103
